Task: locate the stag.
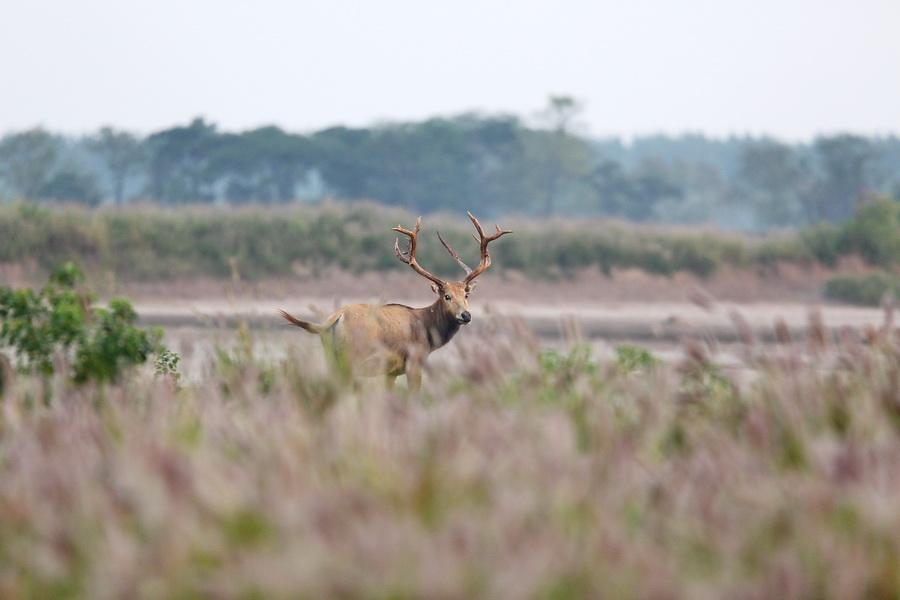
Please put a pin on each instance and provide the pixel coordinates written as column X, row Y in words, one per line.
column 394, row 339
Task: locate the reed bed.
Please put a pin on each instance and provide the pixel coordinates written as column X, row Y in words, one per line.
column 152, row 243
column 516, row 473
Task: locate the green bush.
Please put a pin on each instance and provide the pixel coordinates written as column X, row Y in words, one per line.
column 864, row 290
column 822, row 243
column 696, row 255
column 59, row 321
column 874, row 233
column 632, row 359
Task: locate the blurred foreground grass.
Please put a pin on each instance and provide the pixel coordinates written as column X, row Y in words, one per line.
column 517, row 473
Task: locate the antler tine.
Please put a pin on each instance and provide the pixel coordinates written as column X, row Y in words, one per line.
column 403, row 257
column 409, row 257
column 454, row 254
column 484, row 240
column 412, row 235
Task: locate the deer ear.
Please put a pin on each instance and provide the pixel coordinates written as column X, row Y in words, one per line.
column 471, row 287
column 435, row 288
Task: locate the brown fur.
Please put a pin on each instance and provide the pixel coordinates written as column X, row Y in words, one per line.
column 393, row 339
column 390, row 339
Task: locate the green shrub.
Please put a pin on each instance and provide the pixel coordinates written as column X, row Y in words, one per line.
column 569, row 365
column 699, row 255
column 874, row 233
column 60, row 321
column 822, row 243
column 864, row 290
column 634, row 358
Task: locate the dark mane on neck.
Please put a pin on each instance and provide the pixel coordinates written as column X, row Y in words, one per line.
column 440, row 326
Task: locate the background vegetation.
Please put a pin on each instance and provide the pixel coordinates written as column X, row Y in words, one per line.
column 147, row 243
column 865, row 290
column 58, row 328
column 498, row 164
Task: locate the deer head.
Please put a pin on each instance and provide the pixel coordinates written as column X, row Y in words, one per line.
column 454, row 295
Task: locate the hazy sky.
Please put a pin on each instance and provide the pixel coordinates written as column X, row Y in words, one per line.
column 791, row 68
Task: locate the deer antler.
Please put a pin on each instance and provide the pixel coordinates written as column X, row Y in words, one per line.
column 484, row 240
column 454, row 254
column 409, row 257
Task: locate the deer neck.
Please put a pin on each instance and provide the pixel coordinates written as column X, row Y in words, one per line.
column 440, row 326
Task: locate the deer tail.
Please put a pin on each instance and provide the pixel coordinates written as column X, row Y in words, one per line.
column 310, row 327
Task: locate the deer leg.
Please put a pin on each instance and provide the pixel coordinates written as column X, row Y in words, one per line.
column 414, row 376
column 389, row 382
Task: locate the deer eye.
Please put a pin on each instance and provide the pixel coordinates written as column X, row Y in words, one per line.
column 447, row 297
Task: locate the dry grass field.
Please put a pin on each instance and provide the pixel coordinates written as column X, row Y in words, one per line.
column 517, row 473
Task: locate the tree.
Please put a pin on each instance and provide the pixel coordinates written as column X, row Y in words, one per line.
column 844, row 163
column 71, row 185
column 27, row 161
column 561, row 114
column 633, row 195
column 496, row 155
column 651, row 184
column 613, row 188
column 562, row 162
column 773, row 178
column 122, row 152
column 438, row 164
column 263, row 165
column 180, row 163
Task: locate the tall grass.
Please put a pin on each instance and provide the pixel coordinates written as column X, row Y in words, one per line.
column 151, row 243
column 154, row 243
column 516, row 473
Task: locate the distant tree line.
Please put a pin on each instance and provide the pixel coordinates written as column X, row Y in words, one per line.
column 495, row 164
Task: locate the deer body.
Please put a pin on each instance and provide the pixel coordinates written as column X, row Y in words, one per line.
column 393, row 339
